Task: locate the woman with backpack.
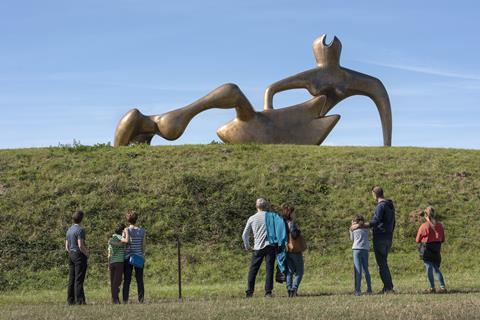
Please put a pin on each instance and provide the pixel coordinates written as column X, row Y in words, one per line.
column 430, row 237
column 295, row 247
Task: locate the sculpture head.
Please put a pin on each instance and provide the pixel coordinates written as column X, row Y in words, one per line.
column 327, row 54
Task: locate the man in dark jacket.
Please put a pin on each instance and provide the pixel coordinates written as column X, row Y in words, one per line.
column 382, row 224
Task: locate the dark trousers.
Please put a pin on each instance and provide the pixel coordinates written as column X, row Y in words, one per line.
column 382, row 248
column 77, row 269
column 257, row 257
column 116, row 273
column 127, row 278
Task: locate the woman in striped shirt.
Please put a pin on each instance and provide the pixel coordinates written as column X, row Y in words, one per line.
column 134, row 236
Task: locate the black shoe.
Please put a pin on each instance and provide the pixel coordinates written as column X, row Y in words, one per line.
column 248, row 294
column 387, row 291
column 290, row 293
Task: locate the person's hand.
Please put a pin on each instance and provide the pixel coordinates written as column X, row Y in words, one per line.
column 354, row 226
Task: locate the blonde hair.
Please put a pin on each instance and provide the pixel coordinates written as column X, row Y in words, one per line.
column 430, row 212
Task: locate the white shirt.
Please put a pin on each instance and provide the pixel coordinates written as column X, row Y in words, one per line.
column 256, row 224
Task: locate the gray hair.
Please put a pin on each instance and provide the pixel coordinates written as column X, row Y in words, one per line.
column 262, row 204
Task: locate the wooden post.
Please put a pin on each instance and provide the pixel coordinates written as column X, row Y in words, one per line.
column 179, row 266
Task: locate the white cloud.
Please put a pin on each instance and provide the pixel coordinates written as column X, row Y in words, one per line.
column 426, row 70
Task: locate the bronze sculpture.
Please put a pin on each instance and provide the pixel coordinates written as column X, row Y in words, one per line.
column 305, row 123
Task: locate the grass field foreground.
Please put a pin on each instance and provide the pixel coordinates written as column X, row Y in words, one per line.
column 399, row 306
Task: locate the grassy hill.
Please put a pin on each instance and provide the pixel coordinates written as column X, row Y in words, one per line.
column 205, row 193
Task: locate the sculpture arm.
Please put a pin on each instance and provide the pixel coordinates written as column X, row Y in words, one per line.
column 362, row 84
column 293, row 82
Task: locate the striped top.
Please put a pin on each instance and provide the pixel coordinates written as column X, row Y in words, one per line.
column 117, row 254
column 256, row 224
column 134, row 246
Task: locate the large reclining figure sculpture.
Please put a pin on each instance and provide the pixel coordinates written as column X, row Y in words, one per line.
column 305, row 123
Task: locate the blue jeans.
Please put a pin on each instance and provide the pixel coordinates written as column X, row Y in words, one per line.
column 360, row 263
column 295, row 270
column 127, row 278
column 381, row 248
column 431, row 268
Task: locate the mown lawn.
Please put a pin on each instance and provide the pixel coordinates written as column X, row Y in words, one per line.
column 398, row 306
column 326, row 297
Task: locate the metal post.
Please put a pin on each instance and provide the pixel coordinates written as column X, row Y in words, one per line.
column 180, row 299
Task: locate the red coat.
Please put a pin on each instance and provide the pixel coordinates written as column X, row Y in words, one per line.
column 430, row 233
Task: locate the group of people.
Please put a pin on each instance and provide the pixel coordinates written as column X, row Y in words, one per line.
column 126, row 253
column 277, row 238
column 280, row 240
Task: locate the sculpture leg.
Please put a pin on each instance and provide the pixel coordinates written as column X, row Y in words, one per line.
column 135, row 127
column 171, row 125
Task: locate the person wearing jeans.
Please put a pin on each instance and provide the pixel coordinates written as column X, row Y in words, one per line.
column 295, row 270
column 431, row 235
column 77, row 260
column 383, row 225
column 360, row 249
column 295, row 247
column 432, row 268
column 261, row 249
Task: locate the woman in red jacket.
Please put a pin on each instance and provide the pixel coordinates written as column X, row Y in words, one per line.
column 431, row 236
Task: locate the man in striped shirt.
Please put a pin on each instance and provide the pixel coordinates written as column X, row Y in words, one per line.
column 261, row 249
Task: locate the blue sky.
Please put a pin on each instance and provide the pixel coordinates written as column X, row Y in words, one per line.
column 71, row 69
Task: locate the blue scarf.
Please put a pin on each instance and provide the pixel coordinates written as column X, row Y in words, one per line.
column 277, row 235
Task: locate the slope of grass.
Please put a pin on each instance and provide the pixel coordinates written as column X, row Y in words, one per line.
column 204, row 194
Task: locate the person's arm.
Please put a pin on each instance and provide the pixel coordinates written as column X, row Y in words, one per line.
column 295, row 231
column 377, row 217
column 246, row 234
column 125, row 238
column 81, row 242
column 360, row 225
column 67, row 247
column 144, row 242
column 82, row 247
column 109, row 255
column 420, row 234
column 351, row 234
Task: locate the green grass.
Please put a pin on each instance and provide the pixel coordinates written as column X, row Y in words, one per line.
column 400, row 306
column 205, row 193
